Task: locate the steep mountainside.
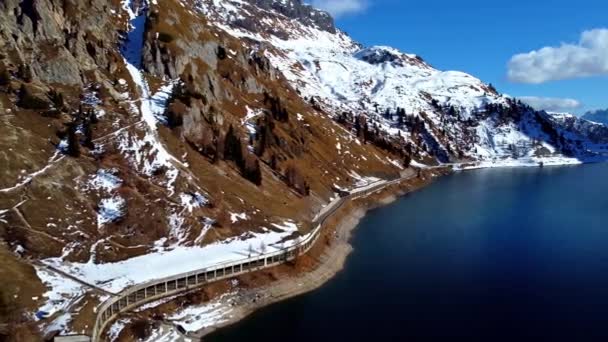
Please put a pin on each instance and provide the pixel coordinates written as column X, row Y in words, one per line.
column 459, row 117
column 600, row 116
column 145, row 138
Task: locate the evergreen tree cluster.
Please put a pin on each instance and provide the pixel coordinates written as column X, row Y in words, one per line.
column 247, row 164
column 84, row 120
column 260, row 61
column 513, row 110
column 5, row 76
column 295, row 180
column 414, row 124
column 399, row 112
column 277, row 110
column 56, row 99
column 264, row 137
column 28, row 100
column 24, row 72
column 182, row 93
column 371, row 133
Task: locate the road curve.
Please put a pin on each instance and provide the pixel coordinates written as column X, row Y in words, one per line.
column 140, row 294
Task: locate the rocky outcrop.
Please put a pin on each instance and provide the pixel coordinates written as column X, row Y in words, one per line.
column 581, row 128
column 295, row 9
column 59, row 40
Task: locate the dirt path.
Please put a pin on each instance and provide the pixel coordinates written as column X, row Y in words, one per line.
column 95, row 288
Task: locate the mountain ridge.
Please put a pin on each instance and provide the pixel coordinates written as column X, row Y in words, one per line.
column 328, row 66
column 599, row 116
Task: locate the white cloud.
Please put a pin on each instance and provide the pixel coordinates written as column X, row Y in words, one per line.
column 589, row 57
column 551, row 104
column 338, row 8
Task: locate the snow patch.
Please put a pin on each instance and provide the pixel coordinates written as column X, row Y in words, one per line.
column 234, row 217
column 191, row 201
column 105, row 180
column 61, row 295
column 110, row 210
column 116, row 276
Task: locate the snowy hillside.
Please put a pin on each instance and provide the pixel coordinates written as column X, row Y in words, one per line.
column 599, row 116
column 341, row 75
column 338, row 70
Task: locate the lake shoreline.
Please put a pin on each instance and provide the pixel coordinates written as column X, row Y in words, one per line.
column 462, row 262
column 329, row 262
column 330, row 254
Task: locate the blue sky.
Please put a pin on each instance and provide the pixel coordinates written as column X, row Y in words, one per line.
column 481, row 38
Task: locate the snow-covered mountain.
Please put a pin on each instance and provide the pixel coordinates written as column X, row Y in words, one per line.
column 600, row 116
column 464, row 118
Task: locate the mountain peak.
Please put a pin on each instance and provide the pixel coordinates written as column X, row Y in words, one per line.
column 296, row 9
column 385, row 54
column 599, row 116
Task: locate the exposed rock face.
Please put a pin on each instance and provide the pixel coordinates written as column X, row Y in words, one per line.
column 62, row 68
column 379, row 55
column 592, row 130
column 295, row 9
column 130, row 128
column 59, row 39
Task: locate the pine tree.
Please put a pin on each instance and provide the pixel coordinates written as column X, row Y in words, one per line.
column 492, row 88
column 92, row 117
column 255, row 173
column 357, row 126
column 25, row 73
column 5, row 76
column 400, row 116
column 57, row 99
column 295, row 180
column 233, row 149
column 220, row 144
column 261, row 140
column 88, row 135
column 387, row 114
column 174, row 119
column 274, row 162
column 73, row 148
column 221, row 53
column 27, row 100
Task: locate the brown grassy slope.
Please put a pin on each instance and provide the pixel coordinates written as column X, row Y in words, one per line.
column 59, row 214
column 17, row 297
column 57, row 205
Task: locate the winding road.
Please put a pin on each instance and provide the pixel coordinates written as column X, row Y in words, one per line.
column 137, row 295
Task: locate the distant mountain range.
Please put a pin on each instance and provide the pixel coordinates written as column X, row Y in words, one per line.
column 600, row 116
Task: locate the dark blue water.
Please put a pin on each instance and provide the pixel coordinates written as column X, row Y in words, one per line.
column 490, row 255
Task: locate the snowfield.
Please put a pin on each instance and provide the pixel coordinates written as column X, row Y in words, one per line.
column 115, row 277
column 61, row 296
column 337, row 69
